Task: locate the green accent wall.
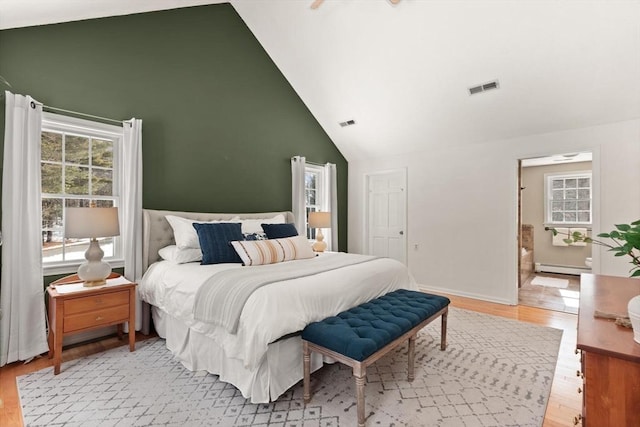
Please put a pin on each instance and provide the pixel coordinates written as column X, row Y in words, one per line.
column 220, row 121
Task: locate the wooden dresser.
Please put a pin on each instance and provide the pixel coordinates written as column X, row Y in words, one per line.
column 610, row 358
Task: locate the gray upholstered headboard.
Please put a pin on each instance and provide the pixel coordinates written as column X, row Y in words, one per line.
column 157, row 233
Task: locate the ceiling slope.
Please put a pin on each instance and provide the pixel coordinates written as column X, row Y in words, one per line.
column 402, row 72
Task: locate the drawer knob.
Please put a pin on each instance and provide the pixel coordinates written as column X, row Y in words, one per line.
column 576, row 420
column 579, row 390
column 99, row 318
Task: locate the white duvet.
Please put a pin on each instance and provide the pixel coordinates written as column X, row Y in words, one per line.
column 274, row 310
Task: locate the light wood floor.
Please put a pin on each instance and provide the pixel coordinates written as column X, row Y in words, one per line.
column 564, row 402
column 558, row 299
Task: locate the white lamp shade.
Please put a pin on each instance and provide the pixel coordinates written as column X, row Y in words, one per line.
column 91, row 222
column 320, row 219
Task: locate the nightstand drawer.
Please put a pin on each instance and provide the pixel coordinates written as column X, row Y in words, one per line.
column 96, row 318
column 97, row 302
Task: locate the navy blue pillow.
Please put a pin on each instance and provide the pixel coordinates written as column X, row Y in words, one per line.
column 279, row 231
column 214, row 241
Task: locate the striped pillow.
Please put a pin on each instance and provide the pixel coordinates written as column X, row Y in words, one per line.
column 259, row 252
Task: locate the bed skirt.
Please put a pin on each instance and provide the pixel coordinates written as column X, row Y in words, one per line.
column 278, row 371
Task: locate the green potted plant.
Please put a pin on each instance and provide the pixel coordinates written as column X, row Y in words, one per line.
column 623, row 241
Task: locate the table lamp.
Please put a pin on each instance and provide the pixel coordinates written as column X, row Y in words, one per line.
column 92, row 223
column 319, row 220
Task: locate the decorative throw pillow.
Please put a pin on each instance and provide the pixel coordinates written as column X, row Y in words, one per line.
column 184, row 233
column 180, row 256
column 279, row 231
column 214, row 242
column 253, row 225
column 259, row 252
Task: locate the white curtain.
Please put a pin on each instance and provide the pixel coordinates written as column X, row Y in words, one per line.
column 23, row 332
column 298, row 207
column 330, row 204
column 131, row 217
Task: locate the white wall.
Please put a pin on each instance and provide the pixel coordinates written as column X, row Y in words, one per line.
column 462, row 205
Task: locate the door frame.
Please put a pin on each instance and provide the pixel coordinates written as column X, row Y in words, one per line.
column 365, row 219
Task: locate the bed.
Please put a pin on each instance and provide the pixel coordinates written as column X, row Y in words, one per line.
column 262, row 355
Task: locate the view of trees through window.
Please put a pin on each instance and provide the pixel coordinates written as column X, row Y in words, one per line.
column 313, row 194
column 77, row 170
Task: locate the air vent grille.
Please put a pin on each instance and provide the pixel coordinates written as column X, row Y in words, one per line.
column 484, row 87
column 348, row 123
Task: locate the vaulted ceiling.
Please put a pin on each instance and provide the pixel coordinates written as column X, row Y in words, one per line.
column 402, row 71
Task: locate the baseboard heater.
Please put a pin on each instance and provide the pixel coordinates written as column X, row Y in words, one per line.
column 561, row 269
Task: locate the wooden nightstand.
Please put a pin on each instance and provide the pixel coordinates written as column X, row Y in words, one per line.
column 86, row 309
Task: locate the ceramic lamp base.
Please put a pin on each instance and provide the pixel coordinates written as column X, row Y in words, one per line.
column 94, row 271
column 319, row 245
column 634, row 314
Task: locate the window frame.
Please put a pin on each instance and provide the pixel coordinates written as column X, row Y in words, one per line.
column 57, row 123
column 548, row 197
column 319, row 172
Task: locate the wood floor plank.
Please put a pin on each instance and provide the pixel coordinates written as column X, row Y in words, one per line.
column 564, row 402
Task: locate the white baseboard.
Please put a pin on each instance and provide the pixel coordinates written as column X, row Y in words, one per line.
column 561, row 269
column 434, row 289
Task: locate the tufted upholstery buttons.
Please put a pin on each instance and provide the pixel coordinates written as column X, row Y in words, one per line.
column 361, row 331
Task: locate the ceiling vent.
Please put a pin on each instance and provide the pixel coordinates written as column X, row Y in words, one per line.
column 484, row 87
column 348, row 123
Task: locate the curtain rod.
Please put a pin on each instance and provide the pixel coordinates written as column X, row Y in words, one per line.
column 311, row 163
column 76, row 113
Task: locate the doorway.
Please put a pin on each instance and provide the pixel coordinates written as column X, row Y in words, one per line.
column 386, row 214
column 556, row 192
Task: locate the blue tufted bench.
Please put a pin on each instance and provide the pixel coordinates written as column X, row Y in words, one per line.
column 361, row 335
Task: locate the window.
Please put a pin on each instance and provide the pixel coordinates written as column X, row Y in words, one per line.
column 568, row 198
column 314, row 189
column 80, row 165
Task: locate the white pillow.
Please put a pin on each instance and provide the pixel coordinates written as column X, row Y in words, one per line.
column 180, row 256
column 184, row 233
column 259, row 252
column 253, row 225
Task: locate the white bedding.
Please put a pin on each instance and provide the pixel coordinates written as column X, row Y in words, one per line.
column 274, row 310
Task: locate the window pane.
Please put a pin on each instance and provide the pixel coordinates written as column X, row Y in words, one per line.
column 310, row 180
column 52, row 246
column 75, row 249
column 558, row 194
column 557, row 216
column 102, row 182
column 584, row 205
column 77, row 203
column 102, row 153
column 557, row 183
column 51, row 214
column 584, row 182
column 77, row 149
column 51, row 178
column 584, row 194
column 104, row 203
column 311, row 197
column 571, row 183
column 51, row 146
column 571, row 194
column 570, row 217
column 570, row 206
column 557, row 206
column 76, row 180
column 584, row 217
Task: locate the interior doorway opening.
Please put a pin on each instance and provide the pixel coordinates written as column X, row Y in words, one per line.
column 554, row 192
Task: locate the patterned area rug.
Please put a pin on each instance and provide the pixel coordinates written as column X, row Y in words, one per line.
column 495, row 372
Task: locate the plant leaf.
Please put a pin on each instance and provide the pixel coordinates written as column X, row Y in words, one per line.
column 623, row 227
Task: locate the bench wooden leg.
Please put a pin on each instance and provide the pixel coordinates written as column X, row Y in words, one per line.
column 306, row 366
column 443, row 333
column 360, row 398
column 412, row 356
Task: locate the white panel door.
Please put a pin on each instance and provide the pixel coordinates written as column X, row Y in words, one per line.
column 386, row 216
